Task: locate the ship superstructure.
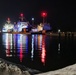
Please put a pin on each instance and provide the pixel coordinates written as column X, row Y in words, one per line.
column 22, row 25
column 8, row 26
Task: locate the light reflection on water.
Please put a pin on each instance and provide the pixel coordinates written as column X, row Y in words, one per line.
column 21, row 45
column 42, row 52
column 7, row 42
column 17, row 45
column 32, row 50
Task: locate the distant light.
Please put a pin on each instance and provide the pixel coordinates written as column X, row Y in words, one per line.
column 59, row 30
column 32, row 19
column 8, row 19
column 21, row 14
column 43, row 14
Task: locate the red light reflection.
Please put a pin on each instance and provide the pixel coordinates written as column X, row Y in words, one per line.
column 21, row 53
column 43, row 53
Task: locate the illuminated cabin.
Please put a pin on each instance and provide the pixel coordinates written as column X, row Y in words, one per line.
column 8, row 27
column 40, row 27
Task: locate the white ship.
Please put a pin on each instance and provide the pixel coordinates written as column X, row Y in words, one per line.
column 21, row 26
column 8, row 27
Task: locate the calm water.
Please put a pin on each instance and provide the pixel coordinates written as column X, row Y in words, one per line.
column 37, row 51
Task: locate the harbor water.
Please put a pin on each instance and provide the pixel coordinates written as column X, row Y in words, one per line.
column 38, row 51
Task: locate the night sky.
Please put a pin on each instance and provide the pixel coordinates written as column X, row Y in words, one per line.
column 61, row 14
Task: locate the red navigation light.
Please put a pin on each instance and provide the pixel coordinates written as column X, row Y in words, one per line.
column 8, row 19
column 21, row 15
column 43, row 14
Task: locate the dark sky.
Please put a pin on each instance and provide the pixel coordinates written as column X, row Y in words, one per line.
column 61, row 14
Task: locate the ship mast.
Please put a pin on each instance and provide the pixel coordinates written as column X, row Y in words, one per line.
column 21, row 17
column 8, row 20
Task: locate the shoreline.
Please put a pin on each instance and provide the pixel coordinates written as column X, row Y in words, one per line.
column 7, row 67
column 69, row 70
column 62, row 34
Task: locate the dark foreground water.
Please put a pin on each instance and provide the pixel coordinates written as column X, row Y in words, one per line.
column 37, row 51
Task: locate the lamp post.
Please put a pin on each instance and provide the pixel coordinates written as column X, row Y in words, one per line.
column 21, row 16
